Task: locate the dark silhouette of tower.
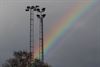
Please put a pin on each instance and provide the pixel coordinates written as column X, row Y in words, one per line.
column 41, row 16
column 34, row 62
column 31, row 9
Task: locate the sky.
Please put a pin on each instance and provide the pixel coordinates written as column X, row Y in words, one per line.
column 79, row 44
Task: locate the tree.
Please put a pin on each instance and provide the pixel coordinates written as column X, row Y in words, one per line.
column 22, row 59
column 39, row 63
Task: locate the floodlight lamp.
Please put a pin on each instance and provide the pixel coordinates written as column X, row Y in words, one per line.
column 38, row 16
column 43, row 15
column 37, row 6
column 27, row 10
column 38, row 10
column 43, row 9
column 32, row 7
column 28, row 7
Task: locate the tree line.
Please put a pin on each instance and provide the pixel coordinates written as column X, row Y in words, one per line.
column 22, row 59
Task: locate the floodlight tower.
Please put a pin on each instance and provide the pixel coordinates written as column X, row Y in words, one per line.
column 31, row 9
column 41, row 16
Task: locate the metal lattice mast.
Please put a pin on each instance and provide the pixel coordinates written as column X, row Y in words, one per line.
column 31, row 9
column 41, row 16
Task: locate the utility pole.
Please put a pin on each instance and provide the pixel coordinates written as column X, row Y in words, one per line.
column 41, row 16
column 31, row 9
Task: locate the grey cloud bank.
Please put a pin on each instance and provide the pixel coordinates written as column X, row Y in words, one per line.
column 80, row 49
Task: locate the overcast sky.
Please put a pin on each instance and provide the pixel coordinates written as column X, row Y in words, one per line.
column 79, row 49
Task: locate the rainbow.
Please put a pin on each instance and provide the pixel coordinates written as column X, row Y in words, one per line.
column 69, row 20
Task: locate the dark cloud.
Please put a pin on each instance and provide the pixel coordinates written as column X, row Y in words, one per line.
column 79, row 49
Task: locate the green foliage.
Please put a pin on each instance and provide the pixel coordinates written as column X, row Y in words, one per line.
column 38, row 63
column 22, row 59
